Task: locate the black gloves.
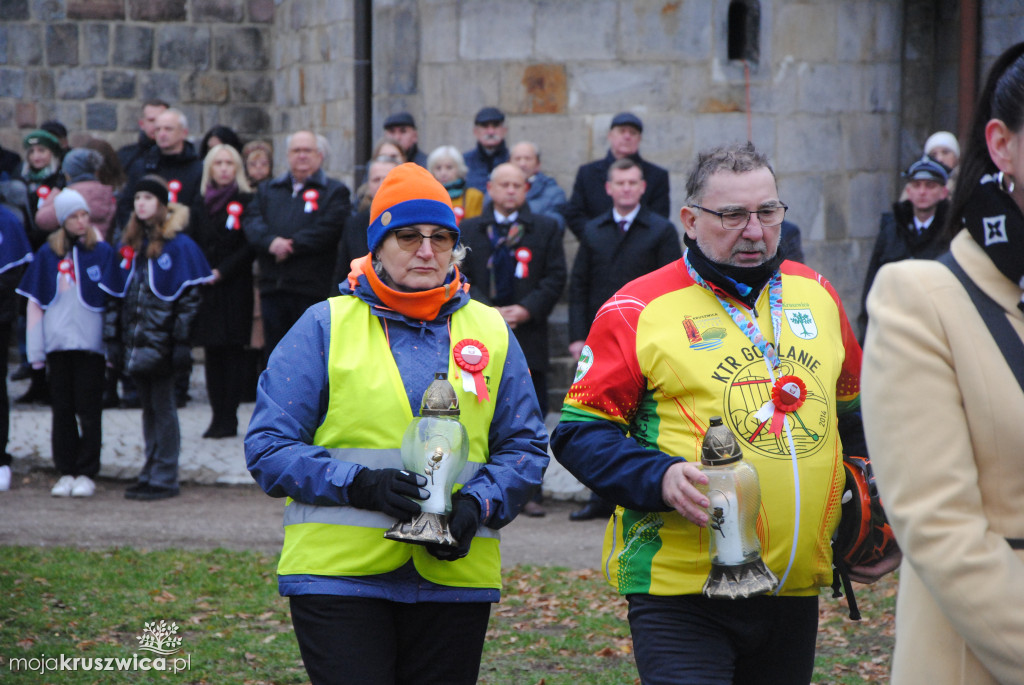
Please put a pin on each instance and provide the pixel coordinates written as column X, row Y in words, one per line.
column 181, row 356
column 463, row 524
column 388, row 491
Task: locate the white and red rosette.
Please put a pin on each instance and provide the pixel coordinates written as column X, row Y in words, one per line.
column 788, row 394
column 127, row 256
column 311, row 196
column 174, row 187
column 66, row 268
column 523, row 257
column 42, row 192
column 472, row 356
column 459, row 213
column 234, row 212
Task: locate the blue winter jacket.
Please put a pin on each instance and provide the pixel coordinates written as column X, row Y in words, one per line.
column 291, row 403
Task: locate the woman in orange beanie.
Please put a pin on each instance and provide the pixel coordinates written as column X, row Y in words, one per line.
column 331, row 410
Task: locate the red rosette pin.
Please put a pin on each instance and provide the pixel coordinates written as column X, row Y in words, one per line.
column 472, row 356
column 523, row 257
column 67, row 268
column 459, row 213
column 127, row 256
column 789, row 393
column 174, row 186
column 234, row 211
column 310, row 196
column 42, row 192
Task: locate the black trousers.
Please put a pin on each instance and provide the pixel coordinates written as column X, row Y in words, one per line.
column 5, row 401
column 693, row 640
column 378, row 642
column 75, row 378
column 280, row 311
column 226, row 373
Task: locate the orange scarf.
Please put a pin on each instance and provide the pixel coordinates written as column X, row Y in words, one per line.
column 423, row 306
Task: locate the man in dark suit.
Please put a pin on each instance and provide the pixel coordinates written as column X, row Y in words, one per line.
column 516, row 264
column 589, row 198
column 623, row 243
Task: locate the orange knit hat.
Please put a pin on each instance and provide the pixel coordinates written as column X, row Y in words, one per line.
column 409, row 195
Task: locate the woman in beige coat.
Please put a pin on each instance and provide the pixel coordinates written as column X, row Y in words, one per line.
column 944, row 418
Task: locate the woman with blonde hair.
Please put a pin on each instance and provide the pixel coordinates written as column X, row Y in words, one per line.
column 224, row 322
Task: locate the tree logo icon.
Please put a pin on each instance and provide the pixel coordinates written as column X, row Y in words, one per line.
column 160, row 638
column 801, row 322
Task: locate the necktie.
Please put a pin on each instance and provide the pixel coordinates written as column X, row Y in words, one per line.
column 622, row 226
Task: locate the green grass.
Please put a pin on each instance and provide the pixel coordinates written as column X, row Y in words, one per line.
column 553, row 626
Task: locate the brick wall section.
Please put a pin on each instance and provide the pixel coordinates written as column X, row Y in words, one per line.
column 90, row 63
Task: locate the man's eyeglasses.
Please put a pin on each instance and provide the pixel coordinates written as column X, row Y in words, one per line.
column 409, row 239
column 737, row 219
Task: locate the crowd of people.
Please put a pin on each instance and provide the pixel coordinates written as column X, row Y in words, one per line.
column 441, row 270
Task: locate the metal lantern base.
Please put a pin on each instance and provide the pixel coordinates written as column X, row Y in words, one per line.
column 739, row 582
column 423, row 529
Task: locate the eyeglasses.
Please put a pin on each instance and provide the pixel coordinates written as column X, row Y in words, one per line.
column 409, row 239
column 737, row 219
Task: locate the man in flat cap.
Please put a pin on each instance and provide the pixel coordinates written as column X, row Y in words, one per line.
column 914, row 227
column 489, row 130
column 401, row 128
column 589, row 198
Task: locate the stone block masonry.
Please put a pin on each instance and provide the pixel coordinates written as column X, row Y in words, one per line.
column 91, row 63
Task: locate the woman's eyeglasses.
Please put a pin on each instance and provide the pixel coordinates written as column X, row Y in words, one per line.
column 409, row 239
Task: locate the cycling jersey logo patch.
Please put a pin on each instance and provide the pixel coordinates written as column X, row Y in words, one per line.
column 801, row 322
column 704, row 332
column 584, row 364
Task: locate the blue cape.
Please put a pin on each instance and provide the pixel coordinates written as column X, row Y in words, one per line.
column 180, row 265
column 14, row 247
column 39, row 283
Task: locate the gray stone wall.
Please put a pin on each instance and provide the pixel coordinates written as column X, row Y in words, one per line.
column 90, row 63
column 828, row 96
column 824, row 95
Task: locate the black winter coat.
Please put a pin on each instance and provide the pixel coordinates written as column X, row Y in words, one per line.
column 146, row 335
column 352, row 245
column 538, row 292
column 185, row 167
column 897, row 241
column 277, row 212
column 225, row 313
column 608, row 260
column 589, row 199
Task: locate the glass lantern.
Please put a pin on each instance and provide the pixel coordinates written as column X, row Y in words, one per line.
column 436, row 445
column 734, row 493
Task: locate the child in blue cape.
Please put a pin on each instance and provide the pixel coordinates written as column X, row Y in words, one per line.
column 148, row 324
column 64, row 333
column 15, row 254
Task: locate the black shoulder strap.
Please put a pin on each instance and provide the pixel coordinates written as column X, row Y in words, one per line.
column 994, row 317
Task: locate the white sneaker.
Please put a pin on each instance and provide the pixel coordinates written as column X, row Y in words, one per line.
column 83, row 487
column 5, row 478
column 63, row 486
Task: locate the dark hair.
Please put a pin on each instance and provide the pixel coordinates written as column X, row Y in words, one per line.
column 1002, row 98
column 736, row 157
column 111, row 172
column 156, row 102
column 624, row 164
column 224, row 135
column 135, row 231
